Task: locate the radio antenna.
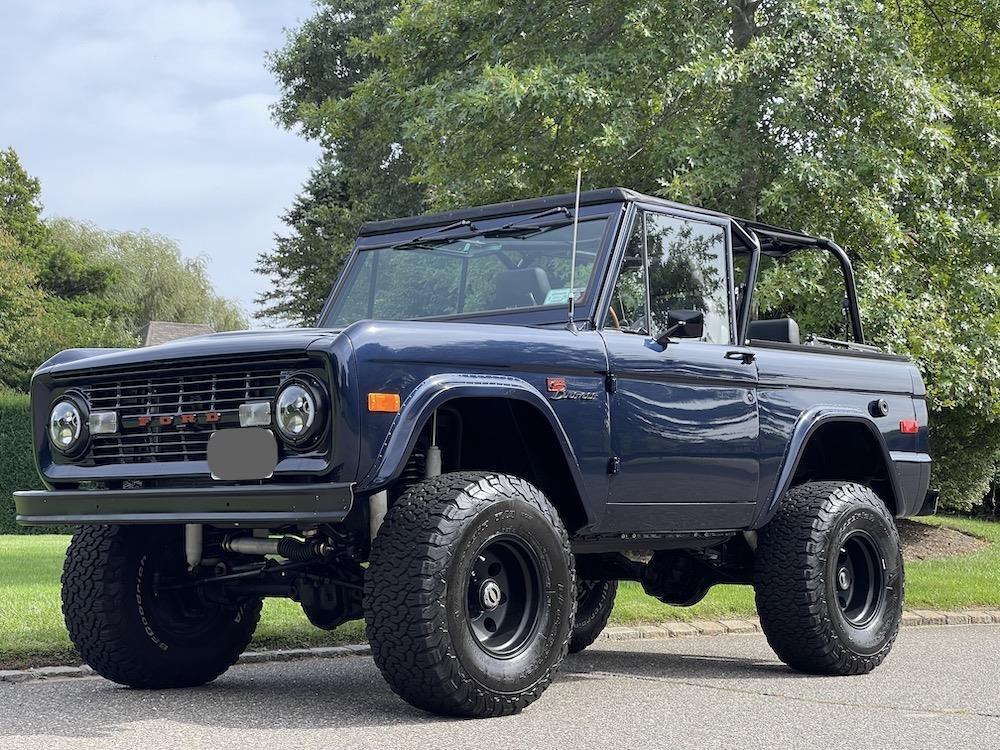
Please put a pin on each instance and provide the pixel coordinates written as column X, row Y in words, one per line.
column 572, row 256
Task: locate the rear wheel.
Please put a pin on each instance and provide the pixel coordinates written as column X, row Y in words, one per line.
column 829, row 579
column 594, row 602
column 469, row 595
column 129, row 622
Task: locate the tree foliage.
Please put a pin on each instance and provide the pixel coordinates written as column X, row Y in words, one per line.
column 155, row 282
column 362, row 174
column 878, row 125
column 65, row 284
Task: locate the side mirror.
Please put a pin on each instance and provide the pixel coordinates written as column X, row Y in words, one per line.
column 683, row 324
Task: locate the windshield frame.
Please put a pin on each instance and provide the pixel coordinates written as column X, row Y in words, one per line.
column 612, row 212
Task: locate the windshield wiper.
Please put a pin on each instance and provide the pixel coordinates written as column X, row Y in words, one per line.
column 430, row 239
column 518, row 228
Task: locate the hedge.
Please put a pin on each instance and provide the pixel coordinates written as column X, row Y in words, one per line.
column 17, row 462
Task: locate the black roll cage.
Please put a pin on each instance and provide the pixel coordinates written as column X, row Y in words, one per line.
column 762, row 239
column 755, row 238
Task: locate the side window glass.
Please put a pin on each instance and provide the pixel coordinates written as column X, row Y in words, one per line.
column 688, row 270
column 628, row 304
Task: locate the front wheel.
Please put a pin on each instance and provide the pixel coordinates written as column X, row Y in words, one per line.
column 469, row 595
column 829, row 579
column 132, row 620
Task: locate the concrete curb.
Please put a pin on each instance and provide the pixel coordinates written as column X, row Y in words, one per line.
column 911, row 618
column 677, row 629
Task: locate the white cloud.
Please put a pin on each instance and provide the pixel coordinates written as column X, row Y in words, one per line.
column 155, row 115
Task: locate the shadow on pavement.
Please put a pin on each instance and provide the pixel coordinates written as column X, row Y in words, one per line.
column 680, row 666
column 314, row 694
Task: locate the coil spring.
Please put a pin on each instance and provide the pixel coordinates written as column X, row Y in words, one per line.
column 415, row 467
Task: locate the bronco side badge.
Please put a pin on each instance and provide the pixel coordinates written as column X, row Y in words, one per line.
column 559, row 392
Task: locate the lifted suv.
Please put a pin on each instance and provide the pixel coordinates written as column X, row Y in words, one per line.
column 504, row 411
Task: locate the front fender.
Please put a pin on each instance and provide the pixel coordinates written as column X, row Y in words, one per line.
column 805, row 427
column 430, row 394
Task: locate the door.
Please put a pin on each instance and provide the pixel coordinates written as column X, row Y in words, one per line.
column 684, row 423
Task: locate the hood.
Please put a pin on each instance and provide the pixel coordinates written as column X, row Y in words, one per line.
column 232, row 343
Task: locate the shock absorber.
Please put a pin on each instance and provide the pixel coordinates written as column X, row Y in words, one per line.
column 432, row 466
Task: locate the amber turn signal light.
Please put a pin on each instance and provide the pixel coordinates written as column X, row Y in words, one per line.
column 387, row 402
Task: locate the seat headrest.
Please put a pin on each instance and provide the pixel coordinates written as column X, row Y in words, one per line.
column 522, row 287
column 782, row 330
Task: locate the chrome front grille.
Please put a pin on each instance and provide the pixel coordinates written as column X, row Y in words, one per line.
column 146, row 399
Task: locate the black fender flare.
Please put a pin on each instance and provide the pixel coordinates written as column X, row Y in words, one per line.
column 806, row 425
column 437, row 390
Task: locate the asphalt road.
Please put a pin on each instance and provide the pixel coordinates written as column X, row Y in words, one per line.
column 940, row 688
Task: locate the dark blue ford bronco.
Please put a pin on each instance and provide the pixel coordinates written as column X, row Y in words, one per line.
column 504, row 411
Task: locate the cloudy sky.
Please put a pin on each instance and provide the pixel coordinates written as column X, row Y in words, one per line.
column 154, row 114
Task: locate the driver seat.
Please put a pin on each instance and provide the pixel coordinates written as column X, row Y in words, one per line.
column 521, row 287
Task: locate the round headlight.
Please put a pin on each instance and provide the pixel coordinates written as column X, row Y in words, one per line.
column 65, row 426
column 296, row 411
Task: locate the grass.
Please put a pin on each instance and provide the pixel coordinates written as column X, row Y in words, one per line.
column 32, row 632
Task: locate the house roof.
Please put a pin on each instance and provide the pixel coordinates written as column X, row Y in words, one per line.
column 160, row 331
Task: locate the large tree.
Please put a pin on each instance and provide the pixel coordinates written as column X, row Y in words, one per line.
column 51, row 296
column 67, row 284
column 154, row 280
column 866, row 122
column 363, row 173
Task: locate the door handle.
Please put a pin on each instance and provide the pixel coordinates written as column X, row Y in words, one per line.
column 743, row 355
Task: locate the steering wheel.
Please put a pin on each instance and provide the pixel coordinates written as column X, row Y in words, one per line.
column 615, row 322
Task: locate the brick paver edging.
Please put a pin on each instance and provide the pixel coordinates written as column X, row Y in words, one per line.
column 911, row 618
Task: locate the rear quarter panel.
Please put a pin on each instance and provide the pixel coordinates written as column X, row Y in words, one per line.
column 796, row 381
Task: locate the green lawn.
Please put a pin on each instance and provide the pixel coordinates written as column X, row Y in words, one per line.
column 32, row 633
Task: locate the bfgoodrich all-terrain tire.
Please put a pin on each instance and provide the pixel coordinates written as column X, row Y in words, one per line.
column 469, row 595
column 594, row 602
column 129, row 627
column 829, row 579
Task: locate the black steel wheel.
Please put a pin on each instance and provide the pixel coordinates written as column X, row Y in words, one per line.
column 829, row 579
column 594, row 602
column 469, row 595
column 859, row 578
column 502, row 598
column 132, row 625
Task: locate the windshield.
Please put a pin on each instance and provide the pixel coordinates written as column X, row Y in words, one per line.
column 430, row 277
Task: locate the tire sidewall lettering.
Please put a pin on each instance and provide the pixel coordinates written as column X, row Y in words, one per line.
column 870, row 639
column 515, row 519
column 140, row 599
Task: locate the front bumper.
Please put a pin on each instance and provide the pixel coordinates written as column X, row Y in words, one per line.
column 230, row 505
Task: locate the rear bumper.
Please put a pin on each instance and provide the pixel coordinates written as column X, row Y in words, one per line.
column 913, row 476
column 243, row 505
column 930, row 506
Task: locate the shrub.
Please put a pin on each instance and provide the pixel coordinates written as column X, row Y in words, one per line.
column 965, row 455
column 17, row 461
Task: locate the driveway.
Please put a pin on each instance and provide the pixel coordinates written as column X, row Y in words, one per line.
column 938, row 689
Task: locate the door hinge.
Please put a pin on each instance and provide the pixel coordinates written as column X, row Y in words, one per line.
column 614, row 465
column 611, row 383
